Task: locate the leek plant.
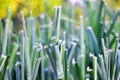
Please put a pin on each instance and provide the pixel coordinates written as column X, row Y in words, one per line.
column 47, row 49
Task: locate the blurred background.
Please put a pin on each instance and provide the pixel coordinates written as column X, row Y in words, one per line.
column 71, row 9
column 41, row 6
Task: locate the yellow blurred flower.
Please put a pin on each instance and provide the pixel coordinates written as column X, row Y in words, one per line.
column 37, row 6
column 52, row 3
column 13, row 4
column 113, row 4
